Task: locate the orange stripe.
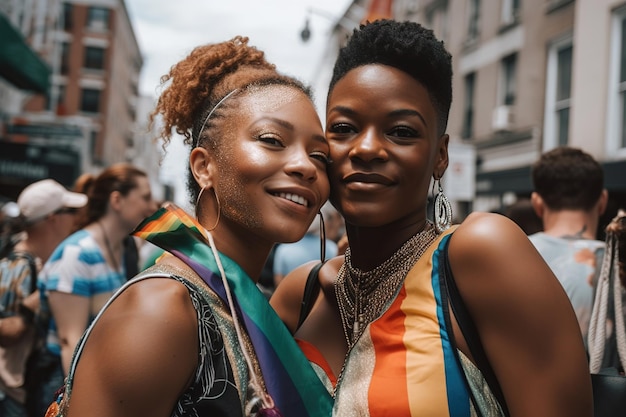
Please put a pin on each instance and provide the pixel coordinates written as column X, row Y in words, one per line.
column 389, row 378
column 314, row 355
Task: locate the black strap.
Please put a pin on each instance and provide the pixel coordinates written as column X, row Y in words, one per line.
column 468, row 328
column 311, row 290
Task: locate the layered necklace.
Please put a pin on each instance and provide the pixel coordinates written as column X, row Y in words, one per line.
column 362, row 296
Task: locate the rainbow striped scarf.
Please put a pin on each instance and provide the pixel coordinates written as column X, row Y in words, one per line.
column 289, row 378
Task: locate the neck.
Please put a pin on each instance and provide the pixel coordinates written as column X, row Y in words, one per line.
column 247, row 250
column 371, row 246
column 570, row 223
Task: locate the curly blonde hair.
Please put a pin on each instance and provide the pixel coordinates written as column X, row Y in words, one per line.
column 194, row 86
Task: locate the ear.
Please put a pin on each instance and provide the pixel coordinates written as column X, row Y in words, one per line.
column 537, row 202
column 202, row 166
column 115, row 200
column 603, row 201
column 441, row 159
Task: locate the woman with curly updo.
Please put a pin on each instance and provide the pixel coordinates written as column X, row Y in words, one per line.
column 193, row 335
column 421, row 318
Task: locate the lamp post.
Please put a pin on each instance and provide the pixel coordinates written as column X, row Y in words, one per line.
column 305, row 33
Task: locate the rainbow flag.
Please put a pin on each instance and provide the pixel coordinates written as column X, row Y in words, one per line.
column 289, row 378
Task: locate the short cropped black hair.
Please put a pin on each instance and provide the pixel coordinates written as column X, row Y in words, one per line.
column 568, row 179
column 407, row 46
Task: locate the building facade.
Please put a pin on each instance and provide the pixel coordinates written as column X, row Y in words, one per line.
column 87, row 118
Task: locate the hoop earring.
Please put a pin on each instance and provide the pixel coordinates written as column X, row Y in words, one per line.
column 219, row 207
column 443, row 209
column 322, row 238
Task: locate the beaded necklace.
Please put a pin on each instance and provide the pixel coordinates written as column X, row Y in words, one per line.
column 363, row 295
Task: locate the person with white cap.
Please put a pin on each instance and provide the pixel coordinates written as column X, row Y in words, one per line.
column 46, row 209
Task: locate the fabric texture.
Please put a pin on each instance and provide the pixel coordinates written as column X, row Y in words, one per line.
column 576, row 264
column 405, row 363
column 289, row 256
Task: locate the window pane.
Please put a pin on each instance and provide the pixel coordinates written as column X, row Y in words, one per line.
column 67, row 16
column 622, row 71
column 65, row 58
column 508, row 70
column 468, row 127
column 90, row 101
column 623, row 121
column 98, row 18
column 564, row 73
column 563, row 126
column 474, row 17
column 94, row 57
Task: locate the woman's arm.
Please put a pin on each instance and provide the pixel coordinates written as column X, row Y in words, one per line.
column 141, row 355
column 525, row 319
column 71, row 315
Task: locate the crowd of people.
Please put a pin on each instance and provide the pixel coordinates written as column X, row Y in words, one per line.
column 311, row 278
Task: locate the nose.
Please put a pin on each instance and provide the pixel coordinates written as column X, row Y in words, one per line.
column 300, row 164
column 369, row 146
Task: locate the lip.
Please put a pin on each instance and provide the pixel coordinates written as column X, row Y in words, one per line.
column 287, row 194
column 367, row 178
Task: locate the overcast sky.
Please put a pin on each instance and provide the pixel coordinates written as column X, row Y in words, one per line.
column 168, row 30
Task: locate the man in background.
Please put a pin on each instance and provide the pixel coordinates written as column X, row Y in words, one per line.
column 569, row 198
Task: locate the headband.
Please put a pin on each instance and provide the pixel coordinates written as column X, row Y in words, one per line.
column 210, row 113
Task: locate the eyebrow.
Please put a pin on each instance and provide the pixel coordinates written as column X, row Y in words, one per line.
column 395, row 113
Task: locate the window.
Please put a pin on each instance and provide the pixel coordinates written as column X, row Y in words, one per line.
column 98, row 18
column 558, row 93
column 616, row 129
column 473, row 21
column 90, row 100
column 508, row 68
column 468, row 106
column 94, row 57
column 67, row 16
column 65, row 58
column 510, row 11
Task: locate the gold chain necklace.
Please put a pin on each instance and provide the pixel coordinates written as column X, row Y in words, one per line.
column 109, row 248
column 362, row 296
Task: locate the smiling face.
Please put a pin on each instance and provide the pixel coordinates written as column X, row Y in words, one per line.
column 270, row 174
column 382, row 129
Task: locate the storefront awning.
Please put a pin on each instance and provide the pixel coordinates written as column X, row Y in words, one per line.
column 19, row 64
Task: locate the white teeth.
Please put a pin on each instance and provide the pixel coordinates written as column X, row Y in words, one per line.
column 295, row 198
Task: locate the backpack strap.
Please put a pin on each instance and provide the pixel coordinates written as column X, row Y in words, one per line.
column 469, row 330
column 32, row 265
column 311, row 289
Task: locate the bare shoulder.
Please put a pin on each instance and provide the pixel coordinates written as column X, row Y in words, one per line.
column 288, row 296
column 146, row 342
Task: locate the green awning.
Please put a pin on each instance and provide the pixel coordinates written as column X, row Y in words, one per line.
column 19, row 64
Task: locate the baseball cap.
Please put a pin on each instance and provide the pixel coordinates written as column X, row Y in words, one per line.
column 44, row 197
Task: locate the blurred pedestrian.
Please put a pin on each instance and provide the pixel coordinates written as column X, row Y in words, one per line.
column 86, row 268
column 193, row 335
column 46, row 212
column 569, row 197
column 523, row 214
column 289, row 256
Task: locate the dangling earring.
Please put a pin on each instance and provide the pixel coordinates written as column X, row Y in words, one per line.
column 443, row 209
column 219, row 207
column 322, row 237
